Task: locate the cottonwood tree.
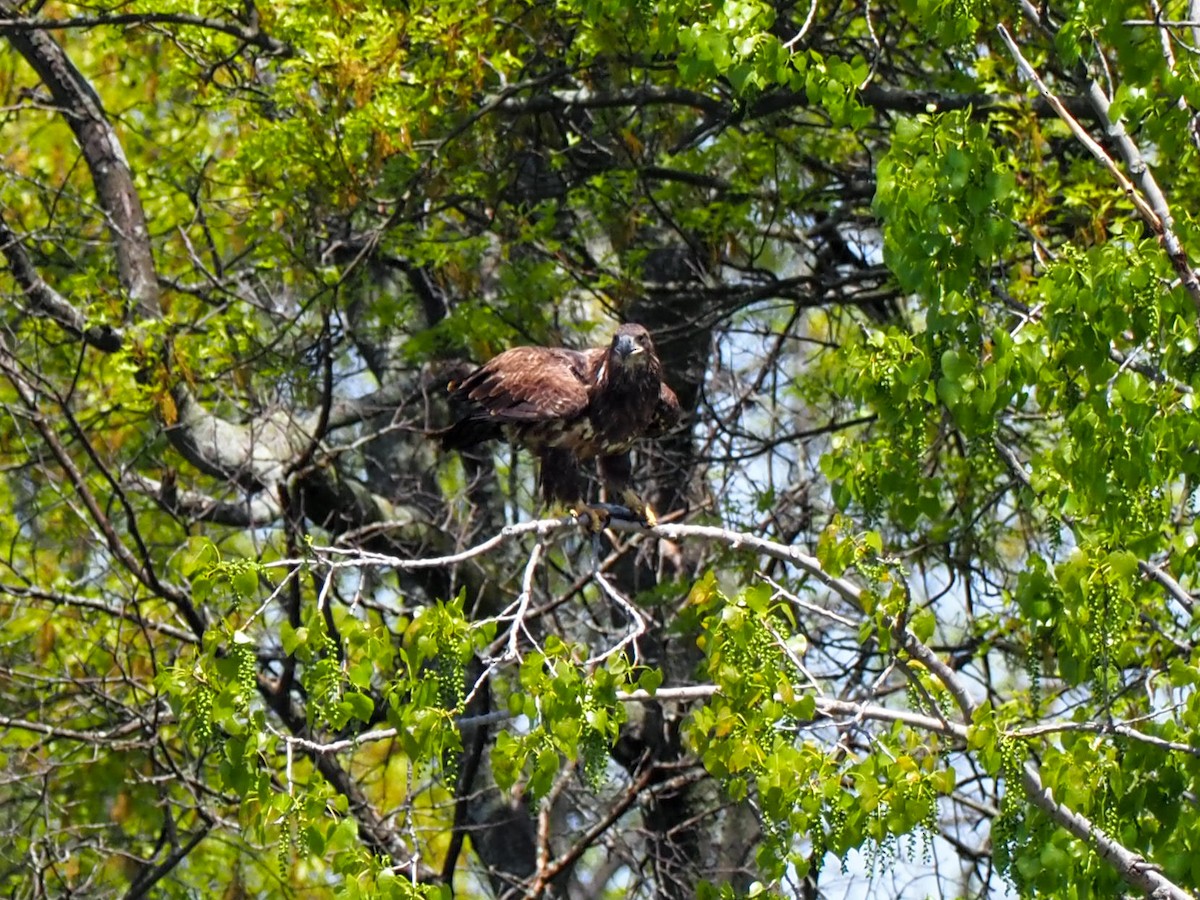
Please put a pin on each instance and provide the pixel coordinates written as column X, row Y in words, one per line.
column 920, row 615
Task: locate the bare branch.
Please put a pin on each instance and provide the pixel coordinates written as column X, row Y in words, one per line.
column 1119, row 728
column 115, row 739
column 142, row 571
column 247, row 34
column 61, row 598
column 1158, row 201
column 46, row 301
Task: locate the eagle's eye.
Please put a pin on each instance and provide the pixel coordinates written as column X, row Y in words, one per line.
column 626, row 346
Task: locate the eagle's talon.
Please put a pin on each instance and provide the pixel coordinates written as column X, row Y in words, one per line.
column 640, row 508
column 593, row 519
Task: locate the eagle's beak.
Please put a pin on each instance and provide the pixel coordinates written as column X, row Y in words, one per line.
column 625, row 346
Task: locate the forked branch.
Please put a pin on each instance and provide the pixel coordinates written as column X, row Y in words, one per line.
column 1133, row 868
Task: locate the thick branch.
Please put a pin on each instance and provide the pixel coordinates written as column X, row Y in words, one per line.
column 1120, row 728
column 587, row 98
column 45, row 301
column 104, row 157
column 248, row 34
column 1130, row 866
column 345, row 411
column 255, row 455
column 1173, row 587
column 195, row 506
column 1150, row 188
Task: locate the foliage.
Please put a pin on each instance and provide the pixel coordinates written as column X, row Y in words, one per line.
column 923, row 615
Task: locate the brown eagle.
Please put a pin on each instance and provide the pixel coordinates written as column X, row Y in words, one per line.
column 568, row 406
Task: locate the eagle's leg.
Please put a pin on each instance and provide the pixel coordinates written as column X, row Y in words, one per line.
column 616, row 472
column 562, row 487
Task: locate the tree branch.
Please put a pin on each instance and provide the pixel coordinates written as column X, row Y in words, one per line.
column 61, row 598
column 1118, row 728
column 140, row 569
column 248, row 34
column 1131, row 867
column 909, row 102
column 196, row 506
column 376, row 833
column 104, row 157
column 114, row 739
column 1149, row 216
column 152, row 876
column 827, row 707
column 46, row 301
column 1154, row 211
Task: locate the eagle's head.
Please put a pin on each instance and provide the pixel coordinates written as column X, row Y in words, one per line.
column 631, row 347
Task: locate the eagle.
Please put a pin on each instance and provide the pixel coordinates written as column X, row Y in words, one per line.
column 568, row 407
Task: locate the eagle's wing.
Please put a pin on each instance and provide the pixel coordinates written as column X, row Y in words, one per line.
column 666, row 414
column 530, row 384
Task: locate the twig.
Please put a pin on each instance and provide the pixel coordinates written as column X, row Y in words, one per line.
column 808, row 20
column 1153, row 207
column 639, row 622
column 1122, row 729
column 355, row 558
column 518, row 625
column 1144, row 209
column 81, row 602
column 799, row 601
column 114, row 738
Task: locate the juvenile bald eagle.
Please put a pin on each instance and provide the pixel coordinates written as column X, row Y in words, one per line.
column 569, row 406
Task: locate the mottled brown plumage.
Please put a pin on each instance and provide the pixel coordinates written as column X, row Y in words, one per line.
column 567, row 406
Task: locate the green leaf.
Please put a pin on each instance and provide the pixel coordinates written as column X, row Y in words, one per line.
column 923, row 624
column 649, row 680
column 359, row 705
column 198, row 556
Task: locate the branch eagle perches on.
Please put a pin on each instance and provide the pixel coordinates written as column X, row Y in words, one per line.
column 1132, row 868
